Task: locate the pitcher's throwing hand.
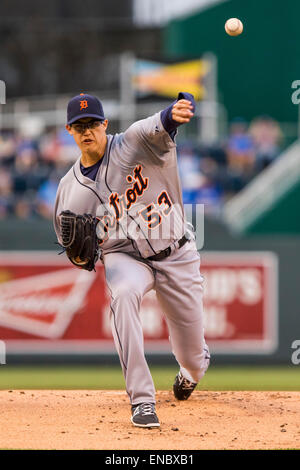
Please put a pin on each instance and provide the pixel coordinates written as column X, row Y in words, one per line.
column 183, row 111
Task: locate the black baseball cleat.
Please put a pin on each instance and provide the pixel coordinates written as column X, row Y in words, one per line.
column 144, row 415
column 182, row 387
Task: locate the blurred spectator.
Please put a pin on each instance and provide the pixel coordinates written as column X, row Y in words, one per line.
column 267, row 137
column 210, row 195
column 189, row 168
column 23, row 209
column 198, row 174
column 6, row 194
column 46, row 197
column 7, row 148
column 50, row 146
column 240, row 148
column 30, row 169
column 58, row 146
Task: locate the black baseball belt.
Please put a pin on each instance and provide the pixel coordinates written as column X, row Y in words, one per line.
column 165, row 253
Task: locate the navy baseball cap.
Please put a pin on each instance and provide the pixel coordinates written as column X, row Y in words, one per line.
column 82, row 106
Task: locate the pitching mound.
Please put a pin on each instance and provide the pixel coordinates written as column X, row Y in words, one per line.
column 78, row 419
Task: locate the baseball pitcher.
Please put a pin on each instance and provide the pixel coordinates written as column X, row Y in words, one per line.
column 121, row 202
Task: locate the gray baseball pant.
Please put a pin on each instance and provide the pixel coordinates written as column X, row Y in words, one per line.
column 178, row 285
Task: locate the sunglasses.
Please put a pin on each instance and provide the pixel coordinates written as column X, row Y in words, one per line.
column 82, row 126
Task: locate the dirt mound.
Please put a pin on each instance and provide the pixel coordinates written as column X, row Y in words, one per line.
column 78, row 419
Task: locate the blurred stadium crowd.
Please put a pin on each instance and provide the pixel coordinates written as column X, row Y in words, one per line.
column 30, row 169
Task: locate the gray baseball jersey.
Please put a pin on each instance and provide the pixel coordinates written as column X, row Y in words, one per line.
column 137, row 197
column 136, row 194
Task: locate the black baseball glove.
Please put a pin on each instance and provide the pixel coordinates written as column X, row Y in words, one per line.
column 78, row 235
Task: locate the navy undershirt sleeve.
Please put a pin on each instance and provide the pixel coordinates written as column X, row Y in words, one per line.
column 91, row 171
column 166, row 115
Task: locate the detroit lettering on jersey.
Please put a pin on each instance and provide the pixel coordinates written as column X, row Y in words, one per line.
column 132, row 193
column 121, row 203
column 151, row 214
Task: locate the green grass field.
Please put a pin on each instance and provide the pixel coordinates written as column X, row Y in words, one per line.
column 111, row 378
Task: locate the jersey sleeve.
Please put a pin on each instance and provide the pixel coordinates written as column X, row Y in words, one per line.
column 156, row 133
column 149, row 133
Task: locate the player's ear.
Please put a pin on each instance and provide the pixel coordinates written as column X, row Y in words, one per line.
column 69, row 129
column 105, row 123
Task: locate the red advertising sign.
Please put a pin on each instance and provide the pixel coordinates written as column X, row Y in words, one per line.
column 48, row 305
column 241, row 301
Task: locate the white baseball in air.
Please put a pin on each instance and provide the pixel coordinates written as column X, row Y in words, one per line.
column 234, row 27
